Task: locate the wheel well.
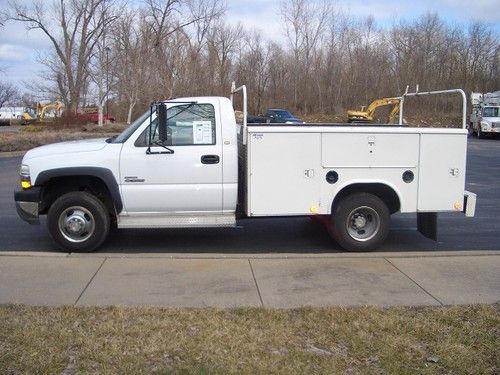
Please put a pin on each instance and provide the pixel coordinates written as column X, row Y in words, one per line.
column 384, row 192
column 58, row 186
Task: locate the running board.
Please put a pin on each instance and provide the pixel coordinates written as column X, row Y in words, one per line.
column 177, row 221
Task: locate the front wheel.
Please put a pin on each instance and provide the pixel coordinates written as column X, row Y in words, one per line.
column 78, row 221
column 480, row 133
column 360, row 222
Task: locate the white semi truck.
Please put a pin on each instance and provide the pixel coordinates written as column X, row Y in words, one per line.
column 485, row 116
column 187, row 163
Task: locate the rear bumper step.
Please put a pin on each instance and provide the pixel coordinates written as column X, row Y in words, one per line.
column 469, row 203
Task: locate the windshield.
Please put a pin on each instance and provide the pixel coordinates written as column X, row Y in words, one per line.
column 283, row 114
column 187, row 124
column 132, row 128
column 30, row 111
column 491, row 111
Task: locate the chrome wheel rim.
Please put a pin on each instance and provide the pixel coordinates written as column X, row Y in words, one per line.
column 363, row 223
column 76, row 224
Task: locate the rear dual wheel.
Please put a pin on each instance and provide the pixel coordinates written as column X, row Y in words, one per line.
column 360, row 222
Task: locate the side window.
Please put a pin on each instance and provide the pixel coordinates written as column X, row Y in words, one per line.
column 187, row 125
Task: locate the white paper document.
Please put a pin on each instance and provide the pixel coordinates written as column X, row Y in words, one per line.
column 202, row 132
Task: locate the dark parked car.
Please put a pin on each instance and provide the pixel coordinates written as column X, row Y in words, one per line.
column 275, row 116
column 282, row 116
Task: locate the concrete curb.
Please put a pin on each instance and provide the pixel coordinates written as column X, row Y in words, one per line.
column 396, row 254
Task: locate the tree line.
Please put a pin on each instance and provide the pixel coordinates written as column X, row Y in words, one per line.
column 107, row 54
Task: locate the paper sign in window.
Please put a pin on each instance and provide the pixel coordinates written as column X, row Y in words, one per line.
column 202, row 132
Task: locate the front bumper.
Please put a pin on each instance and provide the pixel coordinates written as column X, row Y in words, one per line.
column 28, row 204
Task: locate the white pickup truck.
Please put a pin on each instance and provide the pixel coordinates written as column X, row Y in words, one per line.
column 187, row 163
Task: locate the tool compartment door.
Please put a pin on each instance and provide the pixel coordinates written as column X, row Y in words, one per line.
column 377, row 150
column 284, row 173
column 442, row 172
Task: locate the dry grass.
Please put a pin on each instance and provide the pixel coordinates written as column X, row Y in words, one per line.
column 26, row 141
column 324, row 118
column 421, row 120
column 448, row 340
column 39, row 135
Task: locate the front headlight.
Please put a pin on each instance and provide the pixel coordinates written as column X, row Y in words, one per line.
column 25, row 176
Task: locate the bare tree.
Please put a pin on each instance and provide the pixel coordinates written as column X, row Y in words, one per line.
column 223, row 44
column 330, row 61
column 305, row 23
column 130, row 49
column 8, row 93
column 254, row 68
column 74, row 28
column 169, row 23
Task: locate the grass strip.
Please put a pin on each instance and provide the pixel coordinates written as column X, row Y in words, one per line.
column 357, row 340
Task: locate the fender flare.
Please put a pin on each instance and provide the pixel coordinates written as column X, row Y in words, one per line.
column 103, row 174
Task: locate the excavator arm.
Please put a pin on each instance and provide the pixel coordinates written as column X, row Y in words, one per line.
column 367, row 115
column 42, row 109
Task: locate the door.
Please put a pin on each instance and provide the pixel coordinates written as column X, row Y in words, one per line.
column 186, row 181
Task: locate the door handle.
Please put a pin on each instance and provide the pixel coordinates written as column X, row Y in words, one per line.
column 210, row 159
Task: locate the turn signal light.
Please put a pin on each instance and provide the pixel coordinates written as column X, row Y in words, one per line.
column 314, row 209
column 25, row 184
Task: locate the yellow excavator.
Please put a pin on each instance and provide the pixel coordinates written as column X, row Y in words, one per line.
column 367, row 115
column 38, row 113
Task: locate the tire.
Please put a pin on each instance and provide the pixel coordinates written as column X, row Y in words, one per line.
column 78, row 221
column 360, row 222
column 480, row 133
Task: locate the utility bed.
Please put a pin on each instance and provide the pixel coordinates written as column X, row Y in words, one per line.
column 296, row 170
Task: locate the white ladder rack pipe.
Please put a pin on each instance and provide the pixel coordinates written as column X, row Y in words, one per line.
column 243, row 90
column 417, row 93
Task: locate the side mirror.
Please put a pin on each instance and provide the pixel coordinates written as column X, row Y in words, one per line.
column 162, row 122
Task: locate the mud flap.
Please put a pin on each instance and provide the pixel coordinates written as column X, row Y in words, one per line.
column 427, row 224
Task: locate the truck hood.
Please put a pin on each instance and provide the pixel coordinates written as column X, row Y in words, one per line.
column 491, row 119
column 69, row 147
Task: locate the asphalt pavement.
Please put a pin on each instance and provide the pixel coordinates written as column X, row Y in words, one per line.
column 277, row 236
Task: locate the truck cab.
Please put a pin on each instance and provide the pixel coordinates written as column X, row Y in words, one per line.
column 490, row 120
column 485, row 116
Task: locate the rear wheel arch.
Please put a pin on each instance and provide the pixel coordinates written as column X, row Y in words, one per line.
column 386, row 193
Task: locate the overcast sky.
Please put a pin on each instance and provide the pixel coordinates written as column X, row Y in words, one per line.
column 19, row 48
